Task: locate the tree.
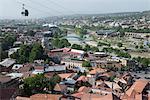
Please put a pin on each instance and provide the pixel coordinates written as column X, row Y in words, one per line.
column 3, row 55
column 80, row 31
column 22, row 59
column 125, row 68
column 87, row 48
column 36, row 52
column 65, row 31
column 24, row 50
column 141, row 47
column 81, row 36
column 109, row 49
column 53, row 81
column 149, row 45
column 103, row 44
column 119, row 44
column 37, row 84
column 8, row 41
column 31, row 33
column 95, row 49
column 82, row 73
column 76, row 46
column 86, row 64
column 136, row 46
column 22, row 55
column 145, row 62
column 123, row 54
column 28, row 53
column 55, row 42
column 64, row 43
column 60, row 43
column 122, row 33
column 111, row 79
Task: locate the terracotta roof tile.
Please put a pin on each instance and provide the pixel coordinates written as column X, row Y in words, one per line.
column 97, row 70
column 138, row 86
column 87, row 96
column 109, row 97
column 65, row 75
column 84, row 89
column 45, row 97
column 82, row 78
column 60, row 87
column 22, row 98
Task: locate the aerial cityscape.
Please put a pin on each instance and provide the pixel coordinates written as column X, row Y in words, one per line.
column 74, row 50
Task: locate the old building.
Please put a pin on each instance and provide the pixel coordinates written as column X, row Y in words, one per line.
column 6, row 65
column 9, row 87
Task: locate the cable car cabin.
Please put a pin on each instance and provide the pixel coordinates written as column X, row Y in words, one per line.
column 25, row 12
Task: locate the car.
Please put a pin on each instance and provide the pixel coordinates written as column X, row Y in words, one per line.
column 137, row 77
column 147, row 77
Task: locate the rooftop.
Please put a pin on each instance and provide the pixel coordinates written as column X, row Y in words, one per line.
column 4, row 79
column 65, row 75
column 7, row 62
column 45, row 97
column 14, row 75
column 137, row 87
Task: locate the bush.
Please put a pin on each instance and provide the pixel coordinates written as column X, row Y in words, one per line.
column 103, row 44
column 60, row 43
column 86, row 64
column 76, row 46
column 119, row 44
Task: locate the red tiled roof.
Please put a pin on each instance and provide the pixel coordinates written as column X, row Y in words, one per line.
column 135, row 90
column 25, row 68
column 65, row 75
column 60, row 87
column 86, row 96
column 108, row 74
column 49, row 74
column 138, row 86
column 64, row 51
column 45, row 97
column 82, row 78
column 109, row 97
column 84, row 89
column 97, row 70
column 22, row 98
column 39, row 67
column 61, row 49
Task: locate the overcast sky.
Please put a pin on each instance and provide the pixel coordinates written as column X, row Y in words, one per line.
column 44, row 8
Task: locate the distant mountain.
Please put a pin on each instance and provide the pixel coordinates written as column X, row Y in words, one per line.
column 108, row 14
column 146, row 12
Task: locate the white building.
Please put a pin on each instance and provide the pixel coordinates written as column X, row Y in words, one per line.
column 17, row 66
column 7, row 62
column 55, row 68
column 12, row 50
